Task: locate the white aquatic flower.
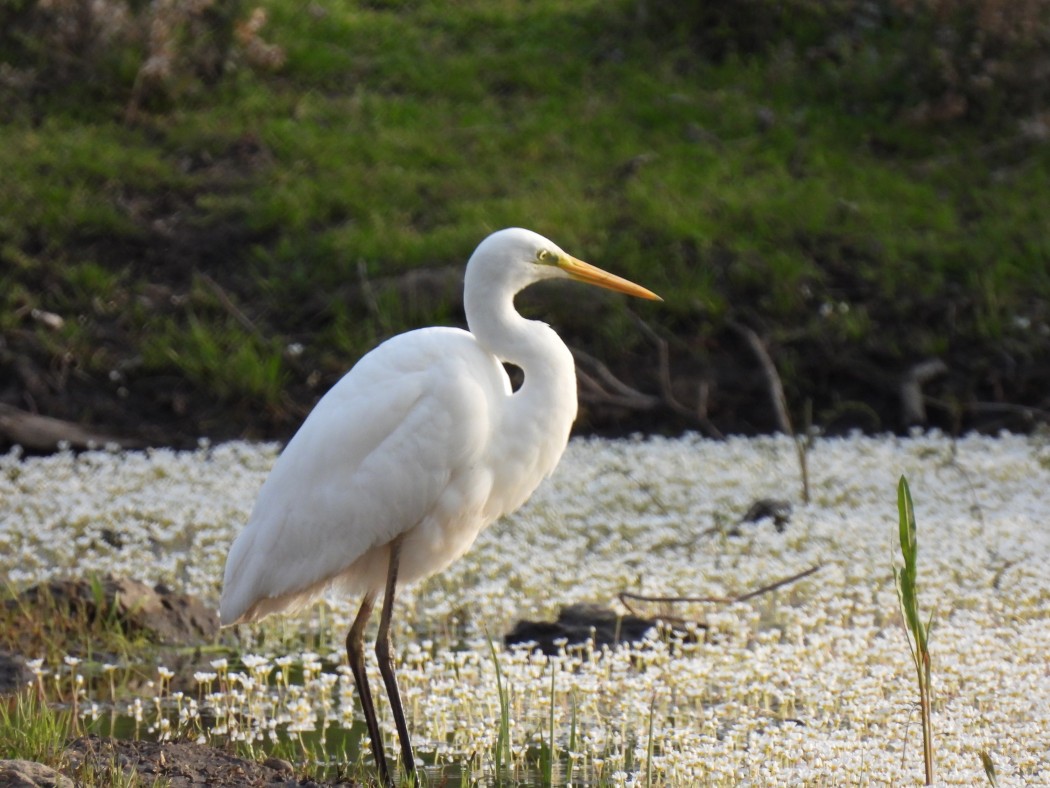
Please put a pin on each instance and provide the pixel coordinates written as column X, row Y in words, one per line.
column 810, row 683
column 253, row 661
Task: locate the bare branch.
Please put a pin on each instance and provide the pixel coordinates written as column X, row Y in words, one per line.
column 714, row 600
column 773, row 382
column 699, row 414
column 595, row 392
column 611, row 388
column 913, row 406
column 1025, row 411
column 779, row 399
column 229, row 306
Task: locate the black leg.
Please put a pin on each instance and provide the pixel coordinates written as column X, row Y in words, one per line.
column 355, row 654
column 386, row 660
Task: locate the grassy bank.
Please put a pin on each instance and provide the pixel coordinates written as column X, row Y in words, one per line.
column 208, row 255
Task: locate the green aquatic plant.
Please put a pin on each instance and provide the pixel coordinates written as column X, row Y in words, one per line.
column 917, row 630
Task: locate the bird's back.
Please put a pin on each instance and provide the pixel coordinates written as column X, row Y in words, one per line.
column 399, row 445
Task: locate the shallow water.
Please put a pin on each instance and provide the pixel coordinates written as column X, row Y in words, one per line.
column 812, row 683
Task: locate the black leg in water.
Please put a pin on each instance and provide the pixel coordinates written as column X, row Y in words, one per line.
column 386, row 660
column 355, row 654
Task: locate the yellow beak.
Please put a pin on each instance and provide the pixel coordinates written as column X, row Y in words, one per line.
column 592, row 275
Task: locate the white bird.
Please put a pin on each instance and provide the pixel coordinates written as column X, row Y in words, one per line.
column 417, row 448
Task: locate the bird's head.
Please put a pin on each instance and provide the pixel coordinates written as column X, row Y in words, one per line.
column 516, row 258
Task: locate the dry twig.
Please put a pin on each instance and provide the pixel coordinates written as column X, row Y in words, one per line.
column 713, row 600
column 699, row 414
column 229, row 306
column 604, row 387
column 779, row 399
column 769, row 369
column 913, row 406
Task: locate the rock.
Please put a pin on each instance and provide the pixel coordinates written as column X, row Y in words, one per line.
column 160, row 613
column 29, row 774
column 776, row 510
column 279, row 764
column 575, row 625
column 13, row 674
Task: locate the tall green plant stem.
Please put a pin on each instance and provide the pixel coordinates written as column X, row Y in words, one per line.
column 917, row 631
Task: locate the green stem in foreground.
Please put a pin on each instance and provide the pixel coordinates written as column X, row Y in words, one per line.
column 549, row 768
column 917, row 630
column 503, row 738
column 649, row 746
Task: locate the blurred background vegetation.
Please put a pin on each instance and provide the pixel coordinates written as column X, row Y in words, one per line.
column 209, row 209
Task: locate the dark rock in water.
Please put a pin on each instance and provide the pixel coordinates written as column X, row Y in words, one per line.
column 112, row 538
column 159, row 613
column 30, row 774
column 13, row 675
column 575, row 625
column 769, row 508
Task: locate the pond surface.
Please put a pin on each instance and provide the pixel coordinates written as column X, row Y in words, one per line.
column 810, row 682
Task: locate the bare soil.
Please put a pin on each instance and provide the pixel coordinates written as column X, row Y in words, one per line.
column 696, row 377
column 183, row 764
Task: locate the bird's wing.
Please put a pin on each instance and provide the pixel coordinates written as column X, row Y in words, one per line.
column 368, row 463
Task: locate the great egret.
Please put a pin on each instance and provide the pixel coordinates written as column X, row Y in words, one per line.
column 421, row 445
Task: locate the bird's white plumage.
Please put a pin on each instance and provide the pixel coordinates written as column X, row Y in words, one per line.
column 423, row 437
column 420, row 446
column 397, row 441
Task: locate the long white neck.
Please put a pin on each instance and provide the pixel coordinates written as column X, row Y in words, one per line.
column 550, row 373
column 541, row 412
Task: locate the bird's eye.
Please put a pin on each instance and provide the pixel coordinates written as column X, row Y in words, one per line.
column 544, row 257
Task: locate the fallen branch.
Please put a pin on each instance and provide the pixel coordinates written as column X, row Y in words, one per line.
column 713, row 600
column 1027, row 412
column 34, row 432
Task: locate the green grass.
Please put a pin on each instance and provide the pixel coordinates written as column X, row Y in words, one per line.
column 395, row 137
column 51, row 626
column 221, row 358
column 31, row 730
